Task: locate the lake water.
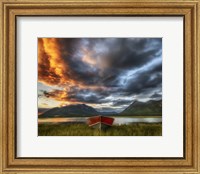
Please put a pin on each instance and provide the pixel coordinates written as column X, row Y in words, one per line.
column 117, row 121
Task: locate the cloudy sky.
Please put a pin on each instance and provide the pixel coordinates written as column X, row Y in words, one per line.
column 105, row 73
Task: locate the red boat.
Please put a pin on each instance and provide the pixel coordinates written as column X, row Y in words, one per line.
column 100, row 122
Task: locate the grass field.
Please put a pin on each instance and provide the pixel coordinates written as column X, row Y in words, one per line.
column 79, row 129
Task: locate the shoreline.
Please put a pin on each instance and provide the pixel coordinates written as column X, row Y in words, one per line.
column 134, row 129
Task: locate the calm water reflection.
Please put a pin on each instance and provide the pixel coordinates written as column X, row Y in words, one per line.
column 117, row 121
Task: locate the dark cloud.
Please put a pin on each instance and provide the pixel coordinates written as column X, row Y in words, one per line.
column 112, row 56
column 89, row 98
column 156, row 96
column 145, row 80
column 122, row 102
column 79, row 95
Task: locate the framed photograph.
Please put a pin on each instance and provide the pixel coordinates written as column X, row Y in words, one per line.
column 99, row 86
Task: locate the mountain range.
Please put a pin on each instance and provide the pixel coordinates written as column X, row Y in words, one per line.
column 70, row 110
column 137, row 108
column 149, row 108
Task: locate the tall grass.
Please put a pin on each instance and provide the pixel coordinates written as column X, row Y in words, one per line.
column 79, row 129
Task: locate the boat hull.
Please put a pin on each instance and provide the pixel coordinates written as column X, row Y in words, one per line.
column 100, row 122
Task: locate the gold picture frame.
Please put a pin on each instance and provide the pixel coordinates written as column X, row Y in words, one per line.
column 10, row 9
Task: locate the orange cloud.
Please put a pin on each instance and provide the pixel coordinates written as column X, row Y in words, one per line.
column 54, row 71
column 52, row 50
column 62, row 96
column 87, row 58
column 46, row 69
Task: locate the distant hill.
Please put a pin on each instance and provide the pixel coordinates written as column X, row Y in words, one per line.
column 42, row 110
column 79, row 110
column 149, row 108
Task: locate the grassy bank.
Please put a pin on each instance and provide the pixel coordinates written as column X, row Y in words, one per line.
column 79, row 129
